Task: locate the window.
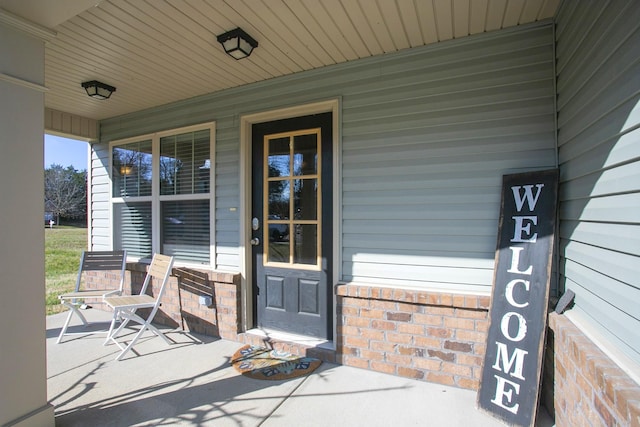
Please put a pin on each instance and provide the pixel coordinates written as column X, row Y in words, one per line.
column 162, row 194
column 292, row 201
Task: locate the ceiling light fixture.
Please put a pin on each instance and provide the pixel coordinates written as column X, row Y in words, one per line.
column 126, row 169
column 98, row 90
column 237, row 43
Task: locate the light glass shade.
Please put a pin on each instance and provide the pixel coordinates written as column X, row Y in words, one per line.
column 98, row 90
column 237, row 43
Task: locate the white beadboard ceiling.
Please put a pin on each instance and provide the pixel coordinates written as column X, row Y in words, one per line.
column 159, row 51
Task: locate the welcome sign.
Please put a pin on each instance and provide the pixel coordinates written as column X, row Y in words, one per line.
column 513, row 359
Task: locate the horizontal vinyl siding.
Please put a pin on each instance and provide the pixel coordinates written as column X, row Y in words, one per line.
column 598, row 80
column 426, row 136
column 424, row 151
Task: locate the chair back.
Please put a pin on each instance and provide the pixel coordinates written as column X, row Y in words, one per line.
column 159, row 269
column 102, row 261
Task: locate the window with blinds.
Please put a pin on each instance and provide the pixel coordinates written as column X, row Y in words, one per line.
column 162, row 195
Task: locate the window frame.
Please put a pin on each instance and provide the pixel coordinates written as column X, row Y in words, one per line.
column 156, row 198
column 292, row 222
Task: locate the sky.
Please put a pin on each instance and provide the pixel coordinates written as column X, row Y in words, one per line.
column 65, row 152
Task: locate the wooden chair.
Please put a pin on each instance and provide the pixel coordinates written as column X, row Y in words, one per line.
column 92, row 261
column 125, row 307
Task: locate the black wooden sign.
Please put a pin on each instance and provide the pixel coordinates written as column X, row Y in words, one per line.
column 513, row 359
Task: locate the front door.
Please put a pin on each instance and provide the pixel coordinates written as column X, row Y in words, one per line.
column 291, row 225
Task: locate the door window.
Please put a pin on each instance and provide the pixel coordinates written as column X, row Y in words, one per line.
column 292, row 201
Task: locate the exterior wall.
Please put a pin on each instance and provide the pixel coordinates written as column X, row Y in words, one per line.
column 23, row 377
column 597, row 341
column 426, row 135
column 599, row 151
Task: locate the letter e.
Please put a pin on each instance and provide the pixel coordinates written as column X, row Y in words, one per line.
column 520, row 228
column 501, row 392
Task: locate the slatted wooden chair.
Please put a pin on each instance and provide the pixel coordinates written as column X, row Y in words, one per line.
column 92, row 261
column 125, row 307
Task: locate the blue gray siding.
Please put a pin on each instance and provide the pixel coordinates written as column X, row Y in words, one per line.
column 598, row 67
column 426, row 135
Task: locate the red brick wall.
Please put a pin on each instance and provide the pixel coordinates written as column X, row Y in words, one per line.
column 102, row 280
column 437, row 337
column 590, row 389
column 180, row 303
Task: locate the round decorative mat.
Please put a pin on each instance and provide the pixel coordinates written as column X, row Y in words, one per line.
column 266, row 364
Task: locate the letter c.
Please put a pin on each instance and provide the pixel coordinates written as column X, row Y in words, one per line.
column 509, row 292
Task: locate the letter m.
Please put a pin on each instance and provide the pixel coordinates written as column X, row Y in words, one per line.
column 528, row 196
column 516, row 361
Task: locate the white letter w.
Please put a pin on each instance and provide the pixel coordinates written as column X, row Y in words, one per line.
column 528, row 195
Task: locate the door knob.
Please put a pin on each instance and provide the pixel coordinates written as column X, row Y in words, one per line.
column 255, row 241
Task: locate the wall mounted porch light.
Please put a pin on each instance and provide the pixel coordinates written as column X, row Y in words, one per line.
column 98, row 90
column 237, row 43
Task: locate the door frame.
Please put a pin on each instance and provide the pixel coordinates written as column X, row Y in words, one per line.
column 246, row 123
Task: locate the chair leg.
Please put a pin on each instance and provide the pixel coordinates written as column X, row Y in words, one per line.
column 144, row 325
column 65, row 326
column 111, row 333
column 158, row 333
column 131, row 344
column 125, row 316
column 72, row 310
column 80, row 315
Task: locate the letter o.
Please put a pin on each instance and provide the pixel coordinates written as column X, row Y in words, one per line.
column 522, row 326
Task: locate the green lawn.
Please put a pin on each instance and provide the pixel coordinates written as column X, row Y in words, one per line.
column 62, row 247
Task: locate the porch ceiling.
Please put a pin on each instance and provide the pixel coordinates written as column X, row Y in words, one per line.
column 160, row 51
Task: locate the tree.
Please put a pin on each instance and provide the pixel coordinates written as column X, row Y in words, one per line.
column 65, row 192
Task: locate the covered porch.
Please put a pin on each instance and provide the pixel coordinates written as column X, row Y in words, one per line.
column 431, row 103
column 170, row 385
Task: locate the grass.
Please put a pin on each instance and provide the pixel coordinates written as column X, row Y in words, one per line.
column 62, row 248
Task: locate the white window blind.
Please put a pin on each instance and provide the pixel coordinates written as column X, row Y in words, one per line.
column 133, row 230
column 185, row 230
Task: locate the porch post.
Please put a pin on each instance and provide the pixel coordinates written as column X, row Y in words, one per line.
column 23, row 375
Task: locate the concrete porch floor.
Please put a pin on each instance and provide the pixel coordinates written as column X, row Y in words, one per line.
column 192, row 383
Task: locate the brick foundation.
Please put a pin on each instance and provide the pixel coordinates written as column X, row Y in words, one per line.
column 590, row 389
column 437, row 337
column 430, row 336
column 180, row 303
